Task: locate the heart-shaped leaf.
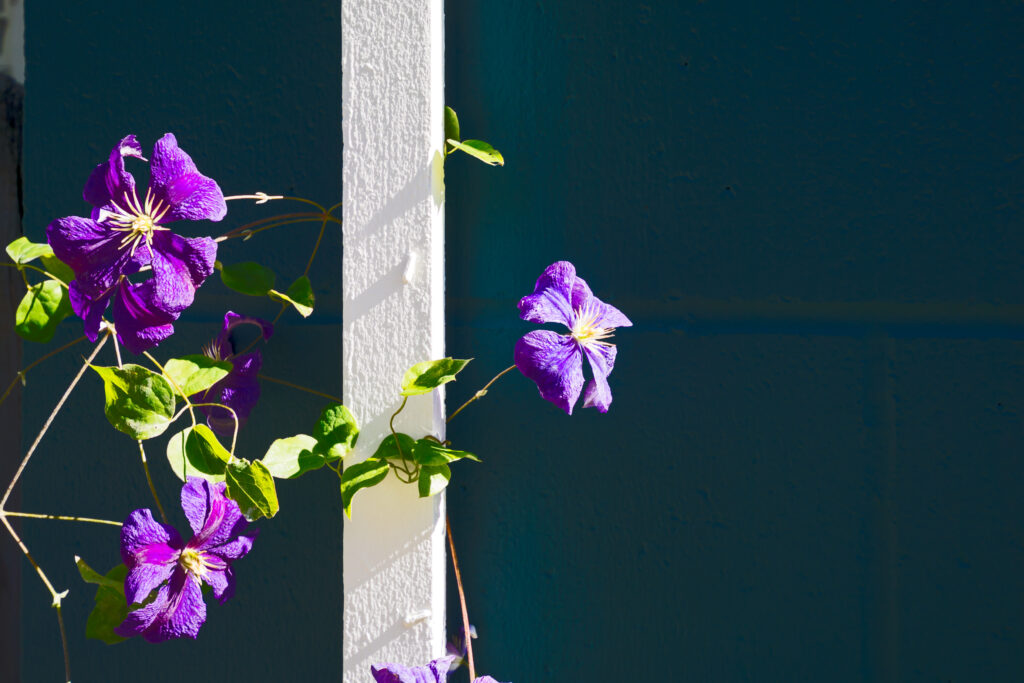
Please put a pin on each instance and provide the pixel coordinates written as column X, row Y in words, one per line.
column 138, row 402
column 428, row 375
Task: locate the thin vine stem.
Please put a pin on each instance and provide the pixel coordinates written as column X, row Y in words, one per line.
column 50, row 419
column 299, row 387
column 234, row 416
column 57, row 597
column 481, row 393
column 64, row 639
column 462, row 600
column 260, row 197
column 316, row 247
column 63, row 518
column 20, row 377
column 391, row 425
column 174, row 384
column 249, row 229
column 149, row 480
column 22, row 266
column 306, row 201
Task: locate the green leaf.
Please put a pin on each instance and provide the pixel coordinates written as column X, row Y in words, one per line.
column 248, row 278
column 336, row 432
column 111, row 607
column 388, row 451
column 23, row 251
column 197, row 452
column 433, row 479
column 451, row 124
column 299, row 295
column 428, row 375
column 54, row 266
column 432, row 454
column 41, row 310
column 90, row 575
column 292, row 457
column 365, row 474
column 196, row 373
column 251, row 485
column 481, row 150
column 139, row 402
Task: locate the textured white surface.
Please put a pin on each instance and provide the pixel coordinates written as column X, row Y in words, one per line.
column 393, row 100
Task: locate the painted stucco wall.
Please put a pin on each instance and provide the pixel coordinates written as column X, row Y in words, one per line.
column 253, row 92
column 812, row 470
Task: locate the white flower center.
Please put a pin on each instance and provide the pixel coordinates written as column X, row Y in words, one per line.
column 585, row 329
column 212, row 350
column 139, row 221
column 193, row 562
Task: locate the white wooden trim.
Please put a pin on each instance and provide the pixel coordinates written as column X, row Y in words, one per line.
column 393, row 278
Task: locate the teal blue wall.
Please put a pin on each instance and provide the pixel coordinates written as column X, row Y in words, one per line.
column 253, row 93
column 812, row 470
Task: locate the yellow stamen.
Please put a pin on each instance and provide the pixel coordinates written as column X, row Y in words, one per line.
column 193, row 561
column 585, row 329
column 139, row 222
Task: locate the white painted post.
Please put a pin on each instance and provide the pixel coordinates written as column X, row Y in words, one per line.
column 393, row 103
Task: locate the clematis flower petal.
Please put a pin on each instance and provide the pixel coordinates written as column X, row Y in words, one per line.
column 555, row 363
column 89, row 310
column 178, row 611
column 150, row 550
column 221, row 580
column 175, row 179
column 140, row 325
column 232, row 320
column 434, row 672
column 109, row 180
column 212, row 516
column 239, row 390
column 551, row 298
column 140, row 530
column 598, row 394
column 485, row 679
column 180, row 266
column 155, row 553
column 237, row 548
column 155, row 565
column 93, row 251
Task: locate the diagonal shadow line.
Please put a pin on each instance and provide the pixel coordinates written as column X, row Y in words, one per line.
column 399, row 204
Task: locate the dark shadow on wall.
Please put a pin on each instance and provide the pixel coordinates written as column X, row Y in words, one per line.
column 12, row 95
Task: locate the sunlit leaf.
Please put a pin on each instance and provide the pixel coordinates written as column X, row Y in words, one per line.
column 196, row 373
column 138, row 402
column 359, row 476
column 197, row 452
column 293, row 456
column 433, row 479
column 251, row 485
column 481, row 150
column 428, row 375
column 299, row 295
column 336, row 432
column 41, row 310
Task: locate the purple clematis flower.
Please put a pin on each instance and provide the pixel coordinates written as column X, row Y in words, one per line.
column 459, row 646
column 434, row 672
column 555, row 361
column 154, row 554
column 240, row 390
column 124, row 234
